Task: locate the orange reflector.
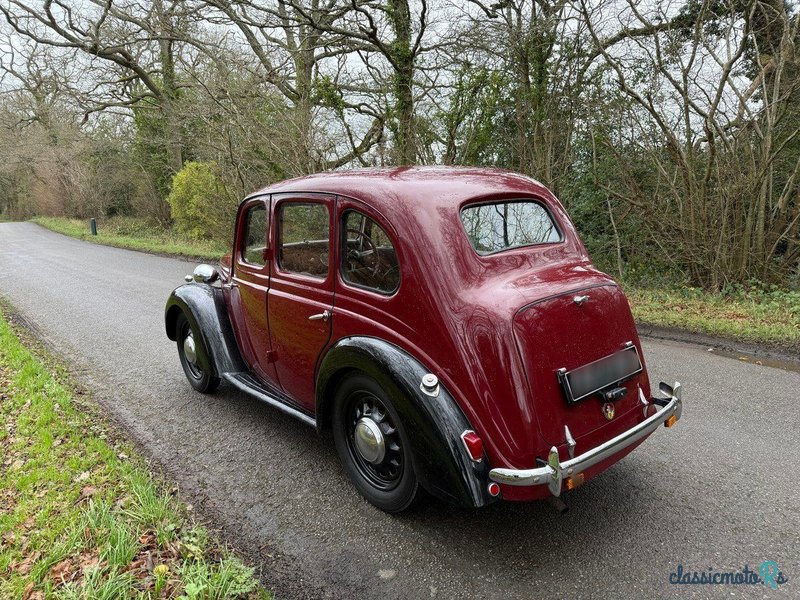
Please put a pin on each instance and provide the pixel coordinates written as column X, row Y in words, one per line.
column 572, row 482
column 671, row 421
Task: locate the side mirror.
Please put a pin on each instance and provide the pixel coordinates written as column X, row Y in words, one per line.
column 205, row 274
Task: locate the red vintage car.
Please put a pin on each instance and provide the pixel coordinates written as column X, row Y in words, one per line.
column 446, row 323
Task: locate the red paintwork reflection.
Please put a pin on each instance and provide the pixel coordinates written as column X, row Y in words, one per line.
column 455, row 310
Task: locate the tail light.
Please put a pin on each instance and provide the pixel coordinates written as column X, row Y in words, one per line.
column 474, row 445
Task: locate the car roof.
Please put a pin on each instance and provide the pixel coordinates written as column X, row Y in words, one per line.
column 400, row 189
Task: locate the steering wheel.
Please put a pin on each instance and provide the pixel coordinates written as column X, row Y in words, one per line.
column 363, row 240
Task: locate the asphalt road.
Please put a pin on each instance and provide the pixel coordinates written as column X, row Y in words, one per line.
column 719, row 490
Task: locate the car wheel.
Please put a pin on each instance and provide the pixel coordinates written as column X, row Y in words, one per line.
column 373, row 446
column 188, row 341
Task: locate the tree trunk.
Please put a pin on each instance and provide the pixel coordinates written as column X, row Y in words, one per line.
column 174, row 138
column 403, row 64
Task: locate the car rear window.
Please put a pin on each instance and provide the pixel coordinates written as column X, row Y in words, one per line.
column 497, row 226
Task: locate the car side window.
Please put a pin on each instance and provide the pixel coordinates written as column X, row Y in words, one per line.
column 303, row 238
column 255, row 241
column 369, row 259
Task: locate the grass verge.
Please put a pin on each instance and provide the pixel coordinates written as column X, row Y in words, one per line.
column 135, row 234
column 80, row 516
column 751, row 315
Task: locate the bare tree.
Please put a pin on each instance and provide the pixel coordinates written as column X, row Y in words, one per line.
column 394, row 31
column 291, row 54
column 538, row 44
column 717, row 122
column 134, row 44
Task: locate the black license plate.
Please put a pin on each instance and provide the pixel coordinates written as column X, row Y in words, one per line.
column 595, row 376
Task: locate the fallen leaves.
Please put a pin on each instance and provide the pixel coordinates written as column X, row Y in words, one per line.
column 24, row 566
column 162, row 553
column 5, row 383
column 63, row 572
column 32, row 594
column 148, row 539
column 87, row 491
column 88, row 560
column 151, row 565
column 141, row 566
column 7, row 539
column 65, row 525
column 8, row 500
column 73, row 568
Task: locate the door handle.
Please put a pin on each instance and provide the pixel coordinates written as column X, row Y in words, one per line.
column 323, row 316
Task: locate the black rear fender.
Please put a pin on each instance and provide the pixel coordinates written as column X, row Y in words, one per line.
column 433, row 424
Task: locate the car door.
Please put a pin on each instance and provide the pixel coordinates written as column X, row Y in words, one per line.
column 249, row 286
column 300, row 303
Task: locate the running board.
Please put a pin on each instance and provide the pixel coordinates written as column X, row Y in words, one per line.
column 250, row 385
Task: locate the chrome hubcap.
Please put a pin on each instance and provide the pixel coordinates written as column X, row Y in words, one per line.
column 189, row 349
column 369, row 441
column 373, row 441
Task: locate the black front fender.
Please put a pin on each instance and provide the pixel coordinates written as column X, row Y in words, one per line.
column 433, row 424
column 205, row 309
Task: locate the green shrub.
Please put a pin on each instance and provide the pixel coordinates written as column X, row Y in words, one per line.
column 199, row 203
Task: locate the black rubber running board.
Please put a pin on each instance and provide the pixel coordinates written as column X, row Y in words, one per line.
column 250, row 385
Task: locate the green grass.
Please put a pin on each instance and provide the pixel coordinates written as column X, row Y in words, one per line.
column 136, row 234
column 753, row 314
column 80, row 516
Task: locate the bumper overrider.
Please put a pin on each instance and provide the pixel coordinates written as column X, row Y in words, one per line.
column 554, row 472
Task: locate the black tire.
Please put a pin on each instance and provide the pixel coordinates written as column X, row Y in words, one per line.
column 391, row 484
column 203, row 382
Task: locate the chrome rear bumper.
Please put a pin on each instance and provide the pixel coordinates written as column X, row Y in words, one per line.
column 553, row 473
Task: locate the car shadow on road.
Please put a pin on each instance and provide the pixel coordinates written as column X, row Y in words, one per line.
column 531, row 533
